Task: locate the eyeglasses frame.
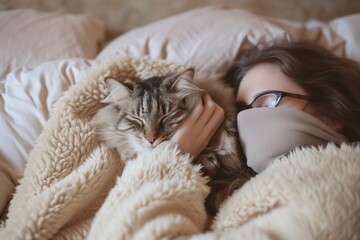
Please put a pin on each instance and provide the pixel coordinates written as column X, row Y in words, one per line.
column 279, row 96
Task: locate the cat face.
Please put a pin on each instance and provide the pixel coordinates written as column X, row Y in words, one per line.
column 151, row 110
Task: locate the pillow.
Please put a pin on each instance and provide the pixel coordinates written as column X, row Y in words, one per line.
column 26, row 98
column 29, row 38
column 348, row 28
column 210, row 38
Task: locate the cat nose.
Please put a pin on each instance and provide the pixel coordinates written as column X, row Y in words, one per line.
column 151, row 139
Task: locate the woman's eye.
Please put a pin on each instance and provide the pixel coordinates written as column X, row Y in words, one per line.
column 266, row 100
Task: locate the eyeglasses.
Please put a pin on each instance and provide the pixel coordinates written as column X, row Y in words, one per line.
column 272, row 99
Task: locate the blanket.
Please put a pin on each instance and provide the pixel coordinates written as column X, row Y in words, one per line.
column 75, row 188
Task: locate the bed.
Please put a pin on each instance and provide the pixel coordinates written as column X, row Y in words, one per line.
column 35, row 74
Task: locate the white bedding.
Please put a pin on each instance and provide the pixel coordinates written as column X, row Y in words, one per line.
column 41, row 55
column 27, row 95
column 39, row 65
column 74, row 187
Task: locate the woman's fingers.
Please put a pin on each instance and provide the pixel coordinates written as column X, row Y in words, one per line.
column 216, row 120
column 209, row 107
column 213, row 124
column 196, row 131
column 196, row 113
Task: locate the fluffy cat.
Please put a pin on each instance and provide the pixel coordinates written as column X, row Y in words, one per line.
column 142, row 114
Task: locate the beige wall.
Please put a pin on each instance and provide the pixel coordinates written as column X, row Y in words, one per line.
column 122, row 15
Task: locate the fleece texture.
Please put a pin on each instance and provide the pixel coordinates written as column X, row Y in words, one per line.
column 75, row 188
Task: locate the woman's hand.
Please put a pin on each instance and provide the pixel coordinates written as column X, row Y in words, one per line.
column 196, row 131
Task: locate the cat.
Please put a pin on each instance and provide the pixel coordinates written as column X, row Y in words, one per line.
column 142, row 114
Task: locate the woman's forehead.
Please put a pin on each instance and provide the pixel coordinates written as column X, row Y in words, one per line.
column 263, row 77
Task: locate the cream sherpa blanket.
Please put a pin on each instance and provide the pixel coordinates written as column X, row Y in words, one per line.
column 75, row 188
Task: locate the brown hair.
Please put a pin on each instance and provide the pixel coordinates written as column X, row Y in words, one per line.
column 332, row 80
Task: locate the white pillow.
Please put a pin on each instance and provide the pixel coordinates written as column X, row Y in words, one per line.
column 210, row 38
column 26, row 98
column 29, row 38
column 348, row 28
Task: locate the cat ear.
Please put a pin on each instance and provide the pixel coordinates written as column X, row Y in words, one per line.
column 118, row 90
column 184, row 82
column 187, row 75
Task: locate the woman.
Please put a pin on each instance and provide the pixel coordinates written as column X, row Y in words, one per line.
column 319, row 83
column 304, row 194
column 289, row 76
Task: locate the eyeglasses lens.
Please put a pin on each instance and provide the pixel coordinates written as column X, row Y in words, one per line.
column 266, row 100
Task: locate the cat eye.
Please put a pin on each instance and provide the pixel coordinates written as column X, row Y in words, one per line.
column 124, row 129
column 272, row 99
column 164, row 118
column 136, row 122
column 124, row 126
column 174, row 123
column 164, row 121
